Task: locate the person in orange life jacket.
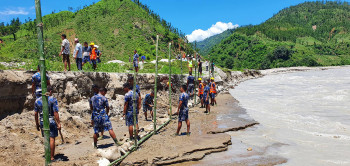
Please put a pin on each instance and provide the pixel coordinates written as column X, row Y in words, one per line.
column 200, row 91
column 212, row 85
column 93, row 55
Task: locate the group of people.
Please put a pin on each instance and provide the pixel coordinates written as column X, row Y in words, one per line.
column 190, row 62
column 82, row 54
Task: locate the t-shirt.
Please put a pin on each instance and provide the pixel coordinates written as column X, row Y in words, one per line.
column 206, row 91
column 143, row 57
column 136, row 56
column 36, row 79
column 184, row 98
column 148, row 99
column 128, row 98
column 200, row 65
column 53, row 107
column 99, row 104
column 86, row 51
column 78, row 48
column 65, row 44
column 190, row 79
column 137, row 89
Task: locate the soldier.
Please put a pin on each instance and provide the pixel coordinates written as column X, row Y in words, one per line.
column 54, row 118
column 100, row 116
column 190, row 85
column 182, row 110
column 212, row 91
column 206, row 97
column 128, row 113
column 148, row 104
column 36, row 82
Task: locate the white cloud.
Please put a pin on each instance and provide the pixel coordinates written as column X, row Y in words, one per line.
column 219, row 27
column 17, row 11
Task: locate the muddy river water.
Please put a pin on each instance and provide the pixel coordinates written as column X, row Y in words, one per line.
column 304, row 117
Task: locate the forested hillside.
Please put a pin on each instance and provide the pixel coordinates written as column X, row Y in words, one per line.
column 117, row 26
column 206, row 45
column 309, row 34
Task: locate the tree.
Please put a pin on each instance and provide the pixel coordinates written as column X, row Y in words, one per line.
column 14, row 27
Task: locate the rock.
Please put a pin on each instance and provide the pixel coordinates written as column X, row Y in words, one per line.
column 110, row 153
column 103, row 162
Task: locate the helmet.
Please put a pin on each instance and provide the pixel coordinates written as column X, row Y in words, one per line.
column 167, row 83
column 92, row 44
column 199, row 79
column 212, row 78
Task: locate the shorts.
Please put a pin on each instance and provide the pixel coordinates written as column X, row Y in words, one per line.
column 101, row 123
column 86, row 59
column 183, row 114
column 66, row 58
column 146, row 108
column 129, row 118
column 93, row 61
column 201, row 96
column 136, row 64
column 53, row 129
column 190, row 88
column 37, row 94
column 212, row 95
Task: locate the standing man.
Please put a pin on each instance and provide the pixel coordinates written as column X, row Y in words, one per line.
column 200, row 91
column 200, row 67
column 95, row 91
column 206, row 65
column 36, row 82
column 212, row 91
column 136, row 61
column 100, row 116
column 54, row 118
column 190, row 64
column 78, row 54
column 86, row 53
column 206, row 97
column 190, row 85
column 128, row 113
column 182, row 110
column 93, row 55
column 148, row 104
column 65, row 52
column 99, row 54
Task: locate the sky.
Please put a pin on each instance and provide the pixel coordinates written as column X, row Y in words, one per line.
column 198, row 19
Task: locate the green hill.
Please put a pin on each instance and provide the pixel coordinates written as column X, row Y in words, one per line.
column 309, row 34
column 117, row 26
column 206, row 45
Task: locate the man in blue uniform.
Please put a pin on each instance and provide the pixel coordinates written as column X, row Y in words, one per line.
column 128, row 113
column 206, row 96
column 182, row 110
column 190, row 85
column 54, row 119
column 36, row 82
column 136, row 61
column 100, row 117
column 148, row 104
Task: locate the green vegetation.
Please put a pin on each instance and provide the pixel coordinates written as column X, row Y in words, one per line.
column 309, row 34
column 117, row 26
column 206, row 45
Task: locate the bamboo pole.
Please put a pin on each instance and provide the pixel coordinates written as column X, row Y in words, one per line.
column 155, row 91
column 43, row 82
column 195, row 72
column 170, row 87
column 134, row 108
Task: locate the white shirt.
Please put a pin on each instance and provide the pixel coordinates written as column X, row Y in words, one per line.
column 65, row 44
column 78, row 48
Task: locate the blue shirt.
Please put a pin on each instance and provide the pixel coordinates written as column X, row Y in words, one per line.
column 148, row 99
column 137, row 89
column 99, row 104
column 206, row 91
column 128, row 98
column 143, row 57
column 36, row 79
column 136, row 56
column 79, row 49
column 53, row 107
column 184, row 98
column 190, row 79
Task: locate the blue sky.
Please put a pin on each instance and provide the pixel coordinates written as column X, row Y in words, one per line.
column 197, row 17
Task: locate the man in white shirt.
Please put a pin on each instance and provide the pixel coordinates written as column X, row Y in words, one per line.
column 65, row 52
column 78, row 54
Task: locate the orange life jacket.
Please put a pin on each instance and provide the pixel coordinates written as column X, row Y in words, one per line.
column 93, row 54
column 201, row 89
column 213, row 87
